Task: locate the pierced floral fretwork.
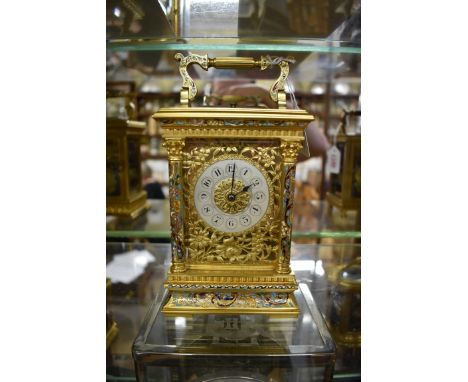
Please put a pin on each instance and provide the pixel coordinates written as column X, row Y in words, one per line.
column 261, row 243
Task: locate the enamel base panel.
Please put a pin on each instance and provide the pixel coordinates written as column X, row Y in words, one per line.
column 274, row 303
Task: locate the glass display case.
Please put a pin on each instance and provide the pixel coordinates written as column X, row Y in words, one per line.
column 138, row 271
column 219, row 347
column 323, row 38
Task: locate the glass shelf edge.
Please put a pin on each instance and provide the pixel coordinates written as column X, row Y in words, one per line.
column 295, row 235
column 345, row 375
column 327, row 234
column 111, row 378
column 171, row 46
column 139, row 234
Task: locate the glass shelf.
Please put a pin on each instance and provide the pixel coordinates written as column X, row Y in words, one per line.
column 314, row 265
column 222, row 44
column 274, row 25
column 311, row 220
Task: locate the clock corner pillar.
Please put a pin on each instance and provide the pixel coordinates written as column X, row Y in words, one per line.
column 289, row 151
column 175, row 147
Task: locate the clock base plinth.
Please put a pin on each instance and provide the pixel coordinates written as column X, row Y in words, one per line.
column 129, row 209
column 278, row 304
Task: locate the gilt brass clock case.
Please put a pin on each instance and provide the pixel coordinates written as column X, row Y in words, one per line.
column 125, row 196
column 345, row 187
column 224, row 269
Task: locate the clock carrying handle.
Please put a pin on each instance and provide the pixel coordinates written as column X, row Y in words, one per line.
column 189, row 89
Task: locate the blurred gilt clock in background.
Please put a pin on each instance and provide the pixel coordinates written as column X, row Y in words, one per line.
column 125, row 196
column 231, row 186
column 345, row 186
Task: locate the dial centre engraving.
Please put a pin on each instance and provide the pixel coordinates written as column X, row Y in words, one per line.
column 231, row 201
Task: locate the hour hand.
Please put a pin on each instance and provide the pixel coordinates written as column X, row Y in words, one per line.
column 245, row 189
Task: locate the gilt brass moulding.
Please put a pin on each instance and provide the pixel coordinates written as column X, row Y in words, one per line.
column 231, row 187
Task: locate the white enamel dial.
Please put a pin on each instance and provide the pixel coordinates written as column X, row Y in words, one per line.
column 231, row 195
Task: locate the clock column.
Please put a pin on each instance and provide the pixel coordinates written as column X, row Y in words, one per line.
column 289, row 151
column 174, row 148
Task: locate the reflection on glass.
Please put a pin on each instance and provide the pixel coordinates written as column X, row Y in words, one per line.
column 336, row 179
column 134, row 169
column 317, row 19
column 356, row 187
column 113, row 176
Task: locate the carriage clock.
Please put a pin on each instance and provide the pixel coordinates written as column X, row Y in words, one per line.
column 344, row 315
column 125, row 196
column 231, row 186
column 345, row 186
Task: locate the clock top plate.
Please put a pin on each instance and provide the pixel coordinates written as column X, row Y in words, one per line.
column 298, row 115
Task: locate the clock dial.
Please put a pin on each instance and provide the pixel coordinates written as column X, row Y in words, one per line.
column 231, row 195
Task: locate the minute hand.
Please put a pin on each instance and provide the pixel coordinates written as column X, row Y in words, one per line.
column 233, row 172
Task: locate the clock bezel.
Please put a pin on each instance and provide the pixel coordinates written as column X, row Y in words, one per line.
column 234, row 156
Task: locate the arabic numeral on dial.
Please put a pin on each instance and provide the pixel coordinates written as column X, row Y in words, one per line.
column 203, row 196
column 231, row 223
column 217, row 172
column 255, row 210
column 245, row 220
column 259, row 196
column 230, row 168
column 207, row 210
column 256, row 182
column 207, row 182
column 218, row 220
column 246, row 173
